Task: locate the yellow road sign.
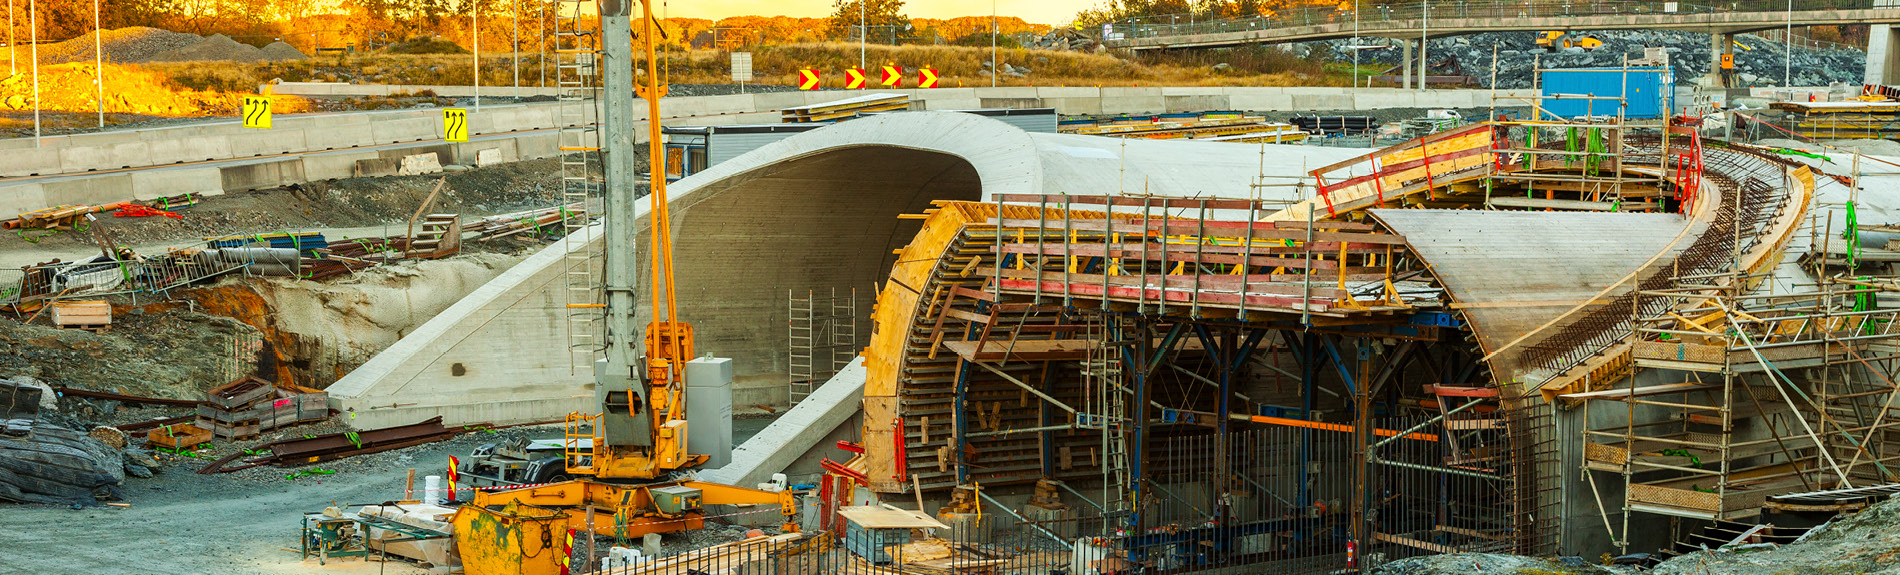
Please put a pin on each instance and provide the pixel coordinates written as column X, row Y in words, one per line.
column 455, row 124
column 257, row 112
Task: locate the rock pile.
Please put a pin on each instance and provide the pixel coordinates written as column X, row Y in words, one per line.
column 1759, row 64
column 140, row 44
column 1065, row 39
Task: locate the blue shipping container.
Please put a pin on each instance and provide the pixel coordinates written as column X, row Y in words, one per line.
column 1650, row 90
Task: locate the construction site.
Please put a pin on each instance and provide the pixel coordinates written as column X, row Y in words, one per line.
column 1617, row 322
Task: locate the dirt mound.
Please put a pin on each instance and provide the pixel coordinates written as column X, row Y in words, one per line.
column 215, row 47
column 424, row 45
column 282, row 51
column 128, row 90
column 124, row 45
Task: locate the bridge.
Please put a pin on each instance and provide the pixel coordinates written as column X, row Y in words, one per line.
column 1454, row 17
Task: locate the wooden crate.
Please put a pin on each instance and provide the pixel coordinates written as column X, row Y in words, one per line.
column 92, row 314
column 239, row 394
column 229, row 429
column 179, row 436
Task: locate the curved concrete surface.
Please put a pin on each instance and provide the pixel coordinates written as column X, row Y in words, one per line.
column 814, row 211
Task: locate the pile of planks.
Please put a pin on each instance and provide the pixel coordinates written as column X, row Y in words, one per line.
column 57, row 217
column 845, row 109
column 531, row 222
column 249, row 406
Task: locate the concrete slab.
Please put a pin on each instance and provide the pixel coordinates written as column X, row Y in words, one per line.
column 154, row 184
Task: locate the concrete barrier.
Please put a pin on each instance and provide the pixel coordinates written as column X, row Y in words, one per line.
column 322, row 139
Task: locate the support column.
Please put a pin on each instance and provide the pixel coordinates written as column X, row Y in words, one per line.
column 1719, row 45
column 1424, row 69
column 1883, row 62
column 1405, row 64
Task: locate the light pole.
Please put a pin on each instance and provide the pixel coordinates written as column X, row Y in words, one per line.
column 13, row 52
column 1787, row 49
column 861, row 33
column 98, row 64
column 475, row 32
column 994, row 70
column 514, row 48
column 1424, row 41
column 542, row 32
column 33, row 35
column 1355, row 43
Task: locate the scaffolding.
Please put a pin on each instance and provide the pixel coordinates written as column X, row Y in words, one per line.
column 1778, row 392
column 823, row 337
column 577, row 52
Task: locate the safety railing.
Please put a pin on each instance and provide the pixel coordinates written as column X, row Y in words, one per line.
column 1372, row 17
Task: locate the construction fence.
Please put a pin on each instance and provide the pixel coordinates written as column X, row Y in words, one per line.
column 1285, row 500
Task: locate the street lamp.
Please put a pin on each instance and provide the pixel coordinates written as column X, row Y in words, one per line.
column 98, row 64
column 994, row 71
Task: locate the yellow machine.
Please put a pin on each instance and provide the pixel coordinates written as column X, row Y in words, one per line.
column 527, row 531
column 639, row 437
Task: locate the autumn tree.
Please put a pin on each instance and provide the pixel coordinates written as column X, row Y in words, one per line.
column 878, row 14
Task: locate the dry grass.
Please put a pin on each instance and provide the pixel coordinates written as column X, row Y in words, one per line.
column 955, row 65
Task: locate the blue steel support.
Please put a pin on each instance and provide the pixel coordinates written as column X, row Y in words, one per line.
column 1345, row 373
column 960, row 422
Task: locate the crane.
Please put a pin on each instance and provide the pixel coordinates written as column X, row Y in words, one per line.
column 628, row 454
column 640, row 432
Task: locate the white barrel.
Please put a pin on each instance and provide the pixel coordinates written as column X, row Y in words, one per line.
column 432, row 490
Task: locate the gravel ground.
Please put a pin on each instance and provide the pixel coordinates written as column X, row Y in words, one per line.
column 246, row 522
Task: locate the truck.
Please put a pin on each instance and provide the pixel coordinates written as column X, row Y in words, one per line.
column 519, row 461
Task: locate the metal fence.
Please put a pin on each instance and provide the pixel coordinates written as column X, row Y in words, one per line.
column 1283, row 500
column 1371, row 15
column 152, row 275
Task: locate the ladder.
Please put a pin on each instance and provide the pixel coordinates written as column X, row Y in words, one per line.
column 802, row 328
column 577, row 54
column 1102, row 377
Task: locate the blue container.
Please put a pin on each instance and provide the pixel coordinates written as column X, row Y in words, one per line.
column 1650, row 90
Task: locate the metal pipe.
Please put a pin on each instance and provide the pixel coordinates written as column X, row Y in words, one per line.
column 1025, row 520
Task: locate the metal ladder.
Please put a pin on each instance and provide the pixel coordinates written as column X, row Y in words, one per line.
column 801, row 334
column 1102, row 374
column 577, row 54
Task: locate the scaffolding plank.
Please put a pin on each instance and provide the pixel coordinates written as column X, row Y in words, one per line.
column 1642, row 391
column 1021, row 350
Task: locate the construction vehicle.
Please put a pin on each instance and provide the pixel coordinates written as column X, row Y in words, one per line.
column 1559, row 39
column 624, row 459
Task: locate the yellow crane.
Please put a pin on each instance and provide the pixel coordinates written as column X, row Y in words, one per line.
column 639, row 437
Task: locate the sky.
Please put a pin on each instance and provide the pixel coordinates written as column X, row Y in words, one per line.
column 1052, row 12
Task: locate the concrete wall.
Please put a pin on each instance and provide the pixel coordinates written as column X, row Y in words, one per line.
column 322, row 146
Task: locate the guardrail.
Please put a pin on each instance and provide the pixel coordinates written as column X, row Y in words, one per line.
column 1371, row 17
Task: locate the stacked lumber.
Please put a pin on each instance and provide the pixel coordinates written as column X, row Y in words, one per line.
column 91, row 315
column 57, row 217
column 845, row 109
column 249, row 406
column 532, row 222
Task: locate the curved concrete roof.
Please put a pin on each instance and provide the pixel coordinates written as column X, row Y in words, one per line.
column 812, row 212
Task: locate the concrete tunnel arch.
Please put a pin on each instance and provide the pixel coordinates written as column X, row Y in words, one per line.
column 809, row 212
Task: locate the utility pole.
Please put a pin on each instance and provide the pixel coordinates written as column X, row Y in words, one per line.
column 98, row 64
column 862, row 32
column 1355, row 43
column 542, row 32
column 619, row 373
column 994, row 70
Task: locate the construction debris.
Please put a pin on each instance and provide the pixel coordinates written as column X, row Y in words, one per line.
column 315, row 449
column 1212, row 126
column 243, row 408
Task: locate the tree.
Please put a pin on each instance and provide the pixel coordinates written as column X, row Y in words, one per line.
column 877, row 14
